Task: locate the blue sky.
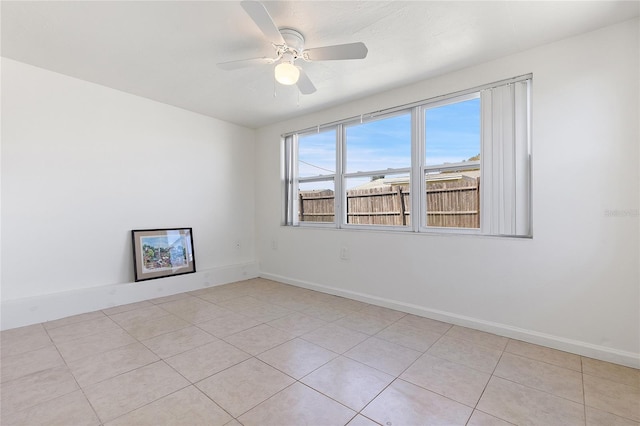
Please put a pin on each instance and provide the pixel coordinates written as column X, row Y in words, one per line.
column 452, row 132
column 162, row 241
column 317, row 154
column 379, row 145
column 452, row 135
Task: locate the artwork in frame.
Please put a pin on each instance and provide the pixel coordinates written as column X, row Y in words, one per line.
column 160, row 253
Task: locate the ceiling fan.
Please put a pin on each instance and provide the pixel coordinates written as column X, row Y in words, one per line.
column 289, row 47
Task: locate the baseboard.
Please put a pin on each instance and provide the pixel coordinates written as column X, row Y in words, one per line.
column 556, row 342
column 48, row 307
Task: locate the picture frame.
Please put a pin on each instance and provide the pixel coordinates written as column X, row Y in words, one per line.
column 161, row 253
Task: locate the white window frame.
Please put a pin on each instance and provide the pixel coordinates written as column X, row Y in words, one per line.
column 423, row 168
column 520, row 225
column 345, row 175
column 320, row 178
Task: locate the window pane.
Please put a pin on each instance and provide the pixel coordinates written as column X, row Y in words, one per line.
column 378, row 200
column 452, row 136
column 317, row 154
column 453, row 199
column 379, row 145
column 452, row 133
column 316, row 201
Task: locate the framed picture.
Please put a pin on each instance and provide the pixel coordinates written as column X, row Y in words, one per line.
column 159, row 253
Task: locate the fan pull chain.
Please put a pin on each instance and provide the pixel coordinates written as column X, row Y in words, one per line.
column 275, row 93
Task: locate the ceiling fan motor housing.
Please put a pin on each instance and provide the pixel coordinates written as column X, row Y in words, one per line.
column 294, row 42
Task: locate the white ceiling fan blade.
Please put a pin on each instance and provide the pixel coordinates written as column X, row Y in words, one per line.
column 304, row 84
column 263, row 20
column 338, row 52
column 243, row 63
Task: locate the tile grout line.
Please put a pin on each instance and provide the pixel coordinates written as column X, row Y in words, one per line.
column 584, row 394
column 160, row 359
column 151, row 402
column 302, row 312
column 542, row 361
column 325, row 395
column 313, row 389
column 76, row 380
column 402, row 372
column 194, row 384
column 487, row 384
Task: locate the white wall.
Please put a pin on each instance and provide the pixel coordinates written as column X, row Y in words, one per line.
column 575, row 285
column 83, row 165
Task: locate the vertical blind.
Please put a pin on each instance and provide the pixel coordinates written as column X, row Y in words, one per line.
column 505, row 159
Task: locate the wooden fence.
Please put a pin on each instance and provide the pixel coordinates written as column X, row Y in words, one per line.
column 449, row 204
column 316, row 206
column 454, row 204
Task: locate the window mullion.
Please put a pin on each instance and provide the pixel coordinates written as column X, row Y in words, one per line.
column 285, row 173
column 418, row 191
column 294, row 181
column 340, row 195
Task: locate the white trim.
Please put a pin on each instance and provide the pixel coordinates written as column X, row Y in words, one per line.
column 369, row 227
column 294, row 181
column 451, row 230
column 319, row 178
column 466, row 165
column 418, row 198
column 556, row 342
column 339, row 202
column 388, row 171
column 471, row 94
column 310, row 224
column 286, row 178
column 48, row 307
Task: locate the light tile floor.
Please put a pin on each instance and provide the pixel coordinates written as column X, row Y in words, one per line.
column 259, row 352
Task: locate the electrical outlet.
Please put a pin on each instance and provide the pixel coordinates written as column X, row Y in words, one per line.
column 238, row 245
column 344, row 253
column 274, row 244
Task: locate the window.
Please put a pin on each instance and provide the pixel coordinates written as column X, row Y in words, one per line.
column 377, row 171
column 463, row 160
column 316, row 176
column 452, row 163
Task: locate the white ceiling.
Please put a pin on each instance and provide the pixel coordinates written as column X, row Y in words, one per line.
column 168, row 50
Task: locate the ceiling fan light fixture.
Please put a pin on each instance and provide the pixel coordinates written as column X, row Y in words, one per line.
column 286, row 73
